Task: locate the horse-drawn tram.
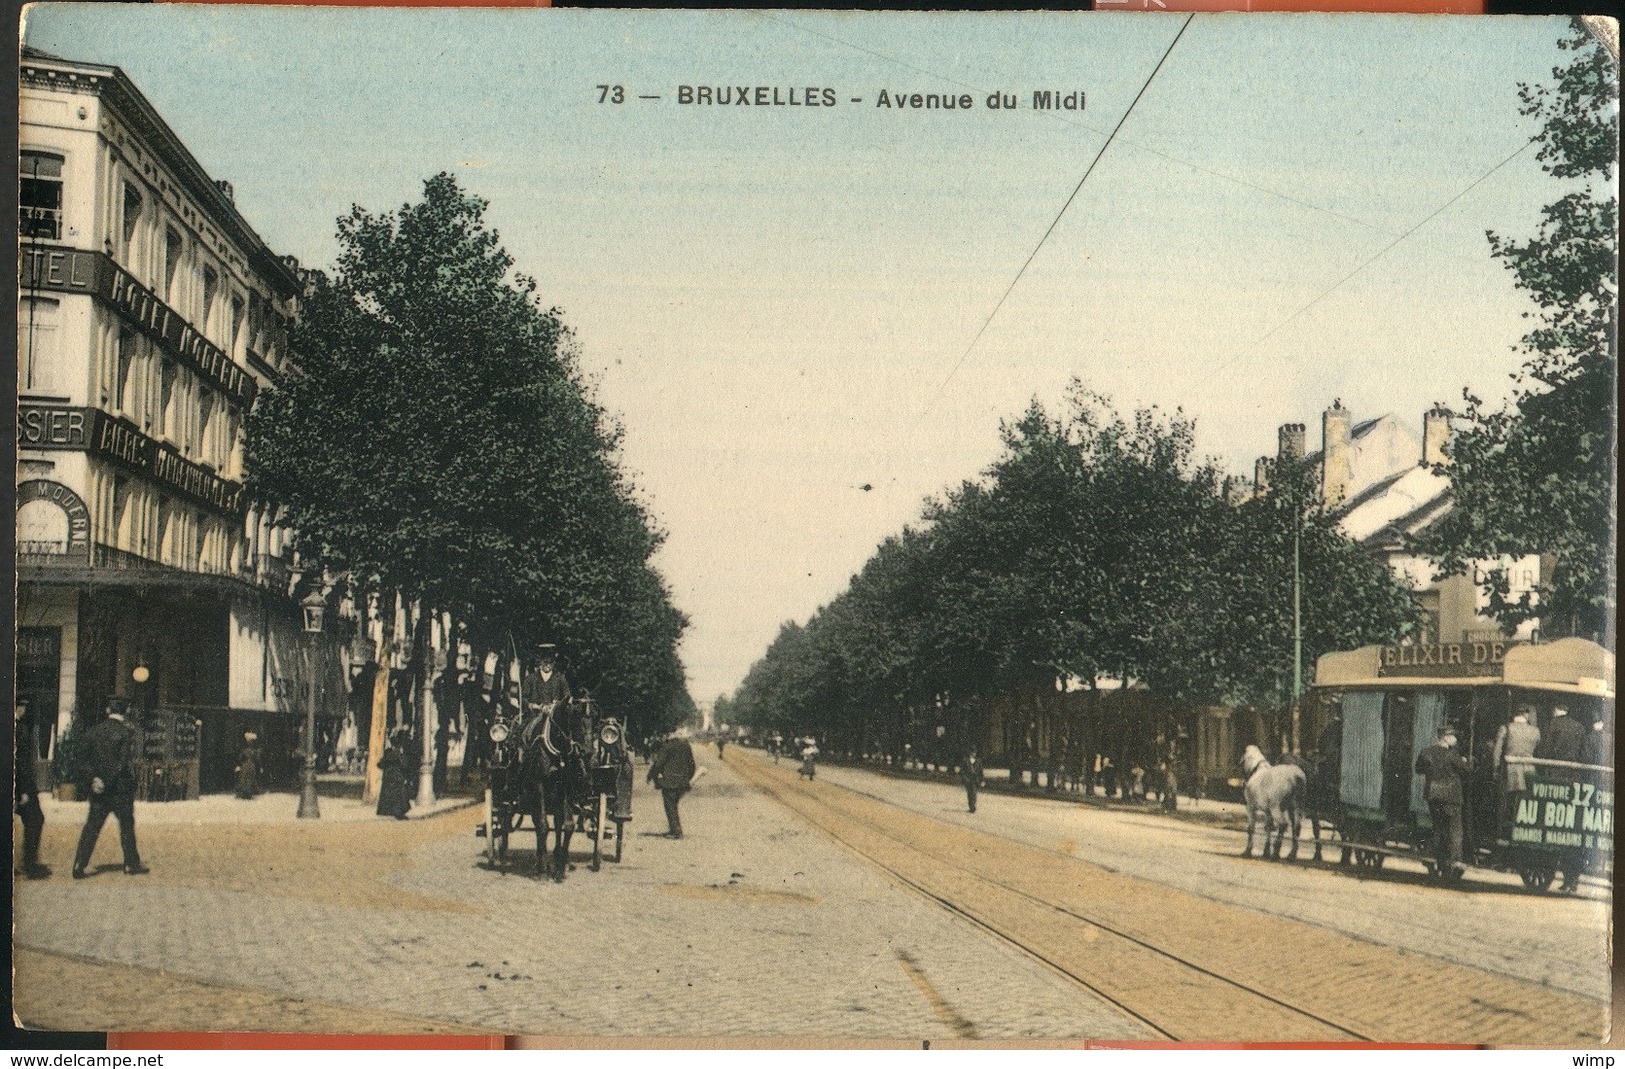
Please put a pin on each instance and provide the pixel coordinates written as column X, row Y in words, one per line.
column 1534, row 723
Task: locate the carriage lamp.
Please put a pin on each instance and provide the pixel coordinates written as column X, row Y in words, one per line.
column 609, row 734
column 499, row 732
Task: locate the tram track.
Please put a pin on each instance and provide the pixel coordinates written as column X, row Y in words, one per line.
column 1182, row 966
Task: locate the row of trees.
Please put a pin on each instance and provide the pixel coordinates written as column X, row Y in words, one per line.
column 434, row 440
column 1095, row 548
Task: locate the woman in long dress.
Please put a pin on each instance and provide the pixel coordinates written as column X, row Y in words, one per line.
column 394, row 790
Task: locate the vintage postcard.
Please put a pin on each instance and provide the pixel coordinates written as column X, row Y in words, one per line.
column 792, row 527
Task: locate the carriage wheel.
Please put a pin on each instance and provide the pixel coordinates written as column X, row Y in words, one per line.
column 620, row 836
column 599, row 822
column 1536, row 878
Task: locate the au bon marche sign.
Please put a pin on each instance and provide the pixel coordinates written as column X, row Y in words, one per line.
column 1557, row 812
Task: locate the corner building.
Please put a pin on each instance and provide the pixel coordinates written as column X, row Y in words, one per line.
column 150, row 316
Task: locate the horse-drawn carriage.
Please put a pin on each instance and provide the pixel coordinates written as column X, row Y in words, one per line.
column 1384, row 705
column 560, row 766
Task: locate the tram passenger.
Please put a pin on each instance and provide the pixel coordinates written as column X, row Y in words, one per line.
column 1520, row 738
column 1564, row 740
column 1443, row 770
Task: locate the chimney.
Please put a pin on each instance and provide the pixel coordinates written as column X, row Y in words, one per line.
column 1289, row 442
column 1261, row 475
column 1435, row 433
column 1336, row 458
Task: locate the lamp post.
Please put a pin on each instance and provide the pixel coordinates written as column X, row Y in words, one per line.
column 315, row 608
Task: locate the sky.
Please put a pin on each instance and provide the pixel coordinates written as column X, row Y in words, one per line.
column 810, row 320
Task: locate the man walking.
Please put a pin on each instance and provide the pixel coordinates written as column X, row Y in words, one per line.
column 970, row 771
column 1443, row 769
column 112, row 748
column 672, row 771
column 25, row 794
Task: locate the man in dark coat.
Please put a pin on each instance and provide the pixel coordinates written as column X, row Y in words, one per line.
column 970, row 773
column 672, row 771
column 543, row 682
column 25, row 794
column 111, row 754
column 1564, row 740
column 1443, row 770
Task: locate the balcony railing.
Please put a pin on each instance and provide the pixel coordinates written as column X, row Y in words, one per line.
column 35, row 222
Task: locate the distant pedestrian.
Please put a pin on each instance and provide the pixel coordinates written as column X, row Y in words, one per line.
column 672, row 771
column 248, row 767
column 395, row 777
column 1168, row 785
column 970, row 773
column 809, row 759
column 722, row 742
column 25, row 794
column 111, row 749
column 1443, row 770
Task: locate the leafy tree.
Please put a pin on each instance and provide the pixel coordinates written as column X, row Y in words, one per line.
column 435, row 437
column 1536, row 473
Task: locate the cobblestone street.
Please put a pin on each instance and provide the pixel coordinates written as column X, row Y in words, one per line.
column 791, row 910
column 753, row 925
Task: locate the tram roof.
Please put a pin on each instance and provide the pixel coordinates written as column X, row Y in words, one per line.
column 1566, row 666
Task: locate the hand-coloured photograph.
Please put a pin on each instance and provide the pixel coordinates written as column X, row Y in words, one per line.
column 810, row 528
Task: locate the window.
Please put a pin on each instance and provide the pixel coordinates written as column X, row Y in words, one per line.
column 39, row 195
column 166, row 522
column 118, row 532
column 167, row 421
column 202, row 445
column 238, row 314
column 36, row 345
column 126, row 357
column 172, row 261
column 132, row 221
column 211, row 288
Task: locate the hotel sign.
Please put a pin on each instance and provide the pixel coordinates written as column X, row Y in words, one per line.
column 92, row 431
column 1444, row 659
column 47, row 267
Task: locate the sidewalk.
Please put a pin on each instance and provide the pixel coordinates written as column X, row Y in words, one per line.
column 278, row 807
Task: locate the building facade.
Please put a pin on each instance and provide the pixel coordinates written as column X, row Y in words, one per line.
column 150, row 316
column 1378, row 477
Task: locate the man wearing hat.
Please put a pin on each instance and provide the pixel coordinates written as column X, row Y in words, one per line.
column 1443, row 770
column 25, row 793
column 1564, row 740
column 1516, row 740
column 672, row 771
column 111, row 747
column 543, row 681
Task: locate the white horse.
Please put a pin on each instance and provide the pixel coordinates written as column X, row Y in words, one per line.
column 1279, row 793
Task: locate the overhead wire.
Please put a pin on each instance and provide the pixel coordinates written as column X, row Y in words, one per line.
column 1056, row 221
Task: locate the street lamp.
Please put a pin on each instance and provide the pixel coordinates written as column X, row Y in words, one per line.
column 315, row 608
